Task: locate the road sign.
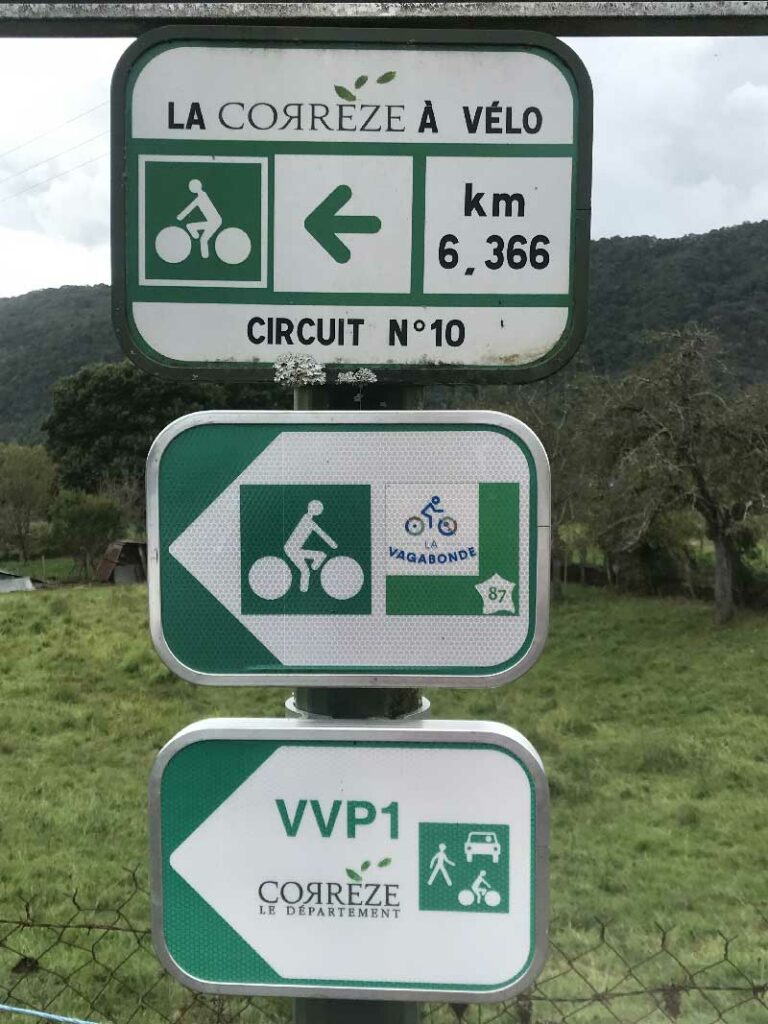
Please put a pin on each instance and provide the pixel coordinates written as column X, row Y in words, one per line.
column 415, row 203
column 348, row 549
column 370, row 861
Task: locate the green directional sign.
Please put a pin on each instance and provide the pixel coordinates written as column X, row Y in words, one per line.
column 418, row 205
column 294, row 859
column 348, row 549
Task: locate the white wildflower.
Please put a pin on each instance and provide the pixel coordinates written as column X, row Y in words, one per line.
column 298, row 372
column 360, row 377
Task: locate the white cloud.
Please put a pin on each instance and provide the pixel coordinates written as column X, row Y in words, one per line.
column 54, row 215
column 680, row 133
column 31, row 260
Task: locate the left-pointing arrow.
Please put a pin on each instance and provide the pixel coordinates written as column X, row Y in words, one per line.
column 325, row 224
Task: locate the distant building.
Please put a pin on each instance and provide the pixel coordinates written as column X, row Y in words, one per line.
column 124, row 561
column 10, row 583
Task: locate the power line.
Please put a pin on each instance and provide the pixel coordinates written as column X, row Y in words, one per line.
column 53, row 177
column 50, row 131
column 48, row 159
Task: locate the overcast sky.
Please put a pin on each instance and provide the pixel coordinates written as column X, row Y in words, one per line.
column 680, row 146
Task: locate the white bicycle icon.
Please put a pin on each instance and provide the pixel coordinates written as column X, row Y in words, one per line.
column 173, row 244
column 341, row 577
column 481, row 892
column 271, row 578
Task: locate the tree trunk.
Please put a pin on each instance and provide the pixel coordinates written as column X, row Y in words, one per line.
column 608, row 572
column 725, row 558
column 556, row 571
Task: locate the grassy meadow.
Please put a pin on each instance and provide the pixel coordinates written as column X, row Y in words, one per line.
column 61, row 568
column 651, row 722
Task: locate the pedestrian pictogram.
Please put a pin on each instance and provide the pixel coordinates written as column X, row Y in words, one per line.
column 439, row 863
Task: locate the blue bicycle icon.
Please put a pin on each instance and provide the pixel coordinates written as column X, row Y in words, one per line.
column 431, row 517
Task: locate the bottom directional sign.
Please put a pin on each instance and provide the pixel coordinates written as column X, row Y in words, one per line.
column 346, row 549
column 378, row 861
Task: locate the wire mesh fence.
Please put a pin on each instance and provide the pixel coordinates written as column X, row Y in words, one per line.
column 97, row 963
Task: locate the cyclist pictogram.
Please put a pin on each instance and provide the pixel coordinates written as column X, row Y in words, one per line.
column 480, row 892
column 431, row 517
column 341, row 577
column 174, row 244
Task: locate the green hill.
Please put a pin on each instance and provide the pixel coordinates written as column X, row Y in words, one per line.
column 719, row 279
column 46, row 335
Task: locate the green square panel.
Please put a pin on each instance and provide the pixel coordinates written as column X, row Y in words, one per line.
column 201, row 221
column 464, row 866
column 305, row 550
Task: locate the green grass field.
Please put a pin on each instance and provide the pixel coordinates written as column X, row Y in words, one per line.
column 60, row 567
column 651, row 722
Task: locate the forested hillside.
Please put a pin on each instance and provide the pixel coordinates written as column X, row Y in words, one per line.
column 44, row 336
column 719, row 279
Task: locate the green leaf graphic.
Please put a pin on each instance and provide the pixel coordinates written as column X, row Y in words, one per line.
column 344, row 93
column 353, row 875
column 365, row 865
column 360, row 82
column 384, row 863
column 386, row 77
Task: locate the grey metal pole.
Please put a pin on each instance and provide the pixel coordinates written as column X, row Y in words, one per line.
column 351, row 702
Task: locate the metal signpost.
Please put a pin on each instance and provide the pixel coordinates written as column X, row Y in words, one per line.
column 422, row 209
column 366, row 862
column 344, row 549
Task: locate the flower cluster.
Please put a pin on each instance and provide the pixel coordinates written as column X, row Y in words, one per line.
column 360, row 377
column 298, row 372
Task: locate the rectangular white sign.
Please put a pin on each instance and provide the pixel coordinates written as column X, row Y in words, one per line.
column 370, row 861
column 348, row 549
column 362, row 202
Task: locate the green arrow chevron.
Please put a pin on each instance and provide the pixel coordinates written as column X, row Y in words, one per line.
column 325, row 224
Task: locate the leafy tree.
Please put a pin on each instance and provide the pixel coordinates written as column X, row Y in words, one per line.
column 27, row 477
column 677, row 435
column 84, row 524
column 554, row 411
column 105, row 417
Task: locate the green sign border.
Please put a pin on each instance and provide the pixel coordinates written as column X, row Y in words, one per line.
column 271, row 734
column 124, row 151
column 216, row 477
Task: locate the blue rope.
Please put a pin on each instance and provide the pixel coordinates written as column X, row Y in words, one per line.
column 43, row 1015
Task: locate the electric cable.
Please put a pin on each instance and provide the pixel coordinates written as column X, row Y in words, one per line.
column 55, row 156
column 39, row 184
column 50, row 131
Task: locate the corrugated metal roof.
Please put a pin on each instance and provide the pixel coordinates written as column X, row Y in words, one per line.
column 9, row 583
